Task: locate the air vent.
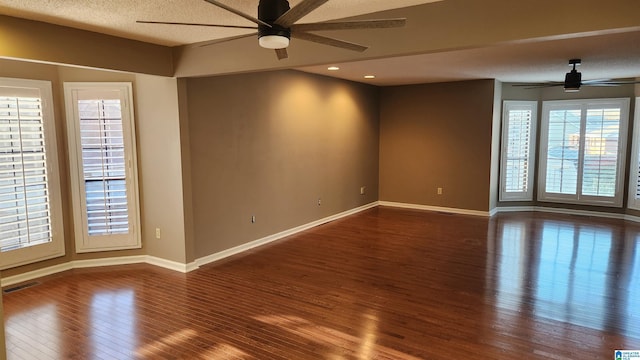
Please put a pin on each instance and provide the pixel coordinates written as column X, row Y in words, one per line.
column 20, row 287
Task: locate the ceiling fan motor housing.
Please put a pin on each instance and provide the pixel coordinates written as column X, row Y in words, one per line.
column 269, row 11
column 572, row 81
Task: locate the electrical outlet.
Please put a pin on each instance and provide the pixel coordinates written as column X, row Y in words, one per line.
column 439, row 191
column 253, row 219
column 157, row 233
column 363, row 190
column 319, row 201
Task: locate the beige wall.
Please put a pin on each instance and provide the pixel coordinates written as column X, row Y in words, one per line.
column 42, row 42
column 494, row 185
column 437, row 135
column 185, row 152
column 156, row 115
column 159, row 166
column 270, row 144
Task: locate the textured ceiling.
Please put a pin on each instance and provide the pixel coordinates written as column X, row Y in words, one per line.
column 611, row 56
column 118, row 17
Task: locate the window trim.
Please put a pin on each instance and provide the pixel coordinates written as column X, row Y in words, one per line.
column 507, row 106
column 633, row 202
column 56, row 247
column 84, row 242
column 578, row 198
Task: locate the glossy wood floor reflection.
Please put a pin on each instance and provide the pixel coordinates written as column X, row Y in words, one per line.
column 383, row 284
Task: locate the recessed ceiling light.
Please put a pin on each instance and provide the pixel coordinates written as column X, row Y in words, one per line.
column 333, row 68
column 369, row 76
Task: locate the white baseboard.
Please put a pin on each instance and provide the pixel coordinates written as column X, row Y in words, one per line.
column 271, row 238
column 120, row 260
column 566, row 211
column 632, row 218
column 168, row 264
column 92, row 263
column 434, row 208
column 192, row 266
column 513, row 209
column 579, row 212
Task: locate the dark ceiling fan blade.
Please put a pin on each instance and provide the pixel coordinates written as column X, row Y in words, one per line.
column 220, row 41
column 346, row 25
column 298, row 12
column 237, row 12
column 195, row 24
column 282, row 54
column 539, row 85
column 602, row 84
column 329, row 41
column 609, row 82
column 585, row 82
column 624, row 82
column 573, row 80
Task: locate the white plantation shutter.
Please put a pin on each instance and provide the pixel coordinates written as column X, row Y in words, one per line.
column 599, row 164
column 29, row 212
column 102, row 151
column 637, row 183
column 24, row 211
column 634, row 173
column 518, row 148
column 563, row 147
column 582, row 151
column 103, row 161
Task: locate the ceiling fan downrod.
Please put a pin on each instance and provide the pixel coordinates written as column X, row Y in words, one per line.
column 573, row 79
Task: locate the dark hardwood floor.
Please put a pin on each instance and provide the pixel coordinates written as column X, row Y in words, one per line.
column 382, row 284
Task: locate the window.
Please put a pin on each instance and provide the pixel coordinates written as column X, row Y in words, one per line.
column 103, row 165
column 582, row 150
column 634, row 173
column 518, row 149
column 30, row 209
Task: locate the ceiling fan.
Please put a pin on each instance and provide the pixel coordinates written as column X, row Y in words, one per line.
column 276, row 25
column 573, row 80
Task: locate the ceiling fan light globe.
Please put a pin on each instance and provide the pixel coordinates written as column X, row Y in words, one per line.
column 274, row 42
